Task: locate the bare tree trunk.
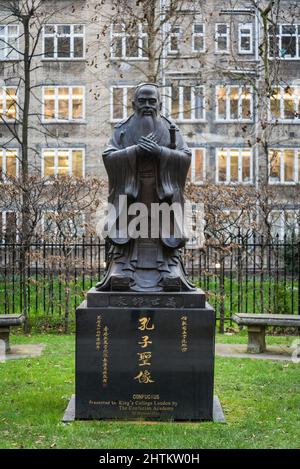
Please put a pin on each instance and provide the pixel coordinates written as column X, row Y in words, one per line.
column 25, row 211
column 151, row 19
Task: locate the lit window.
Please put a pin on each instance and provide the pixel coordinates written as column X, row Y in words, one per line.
column 174, row 39
column 285, row 104
column 186, row 103
column 246, row 38
column 63, row 103
column 64, row 41
column 284, row 223
column 121, row 102
column 63, row 161
column 234, row 103
column 8, row 103
column 9, row 42
column 284, row 41
column 222, row 33
column 198, row 37
column 284, row 166
column 129, row 41
column 8, row 163
column 8, row 227
column 234, row 165
column 197, row 168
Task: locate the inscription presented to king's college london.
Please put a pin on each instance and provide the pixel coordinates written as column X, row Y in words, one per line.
column 140, row 403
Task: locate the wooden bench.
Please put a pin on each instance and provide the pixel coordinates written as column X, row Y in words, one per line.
column 6, row 322
column 257, row 324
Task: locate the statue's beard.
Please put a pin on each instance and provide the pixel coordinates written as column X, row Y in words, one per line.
column 144, row 125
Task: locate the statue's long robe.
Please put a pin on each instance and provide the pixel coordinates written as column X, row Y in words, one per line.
column 171, row 167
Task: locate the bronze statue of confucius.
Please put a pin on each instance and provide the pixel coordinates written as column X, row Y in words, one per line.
column 147, row 161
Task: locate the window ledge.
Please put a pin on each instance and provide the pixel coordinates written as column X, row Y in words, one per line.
column 50, row 180
column 130, row 59
column 234, row 121
column 190, row 121
column 235, row 183
column 283, row 183
column 67, row 59
column 285, row 121
column 10, row 60
column 285, row 58
column 52, row 122
column 7, row 181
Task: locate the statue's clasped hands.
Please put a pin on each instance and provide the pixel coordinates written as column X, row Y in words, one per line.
column 149, row 144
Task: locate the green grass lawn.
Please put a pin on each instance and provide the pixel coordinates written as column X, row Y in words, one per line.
column 261, row 400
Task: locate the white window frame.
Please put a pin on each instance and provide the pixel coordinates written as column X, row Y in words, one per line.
column 278, row 37
column 174, row 34
column 281, row 166
column 181, row 118
column 123, row 35
column 72, row 35
column 3, row 215
column 56, row 150
column 280, row 223
column 249, row 35
column 194, row 35
column 56, row 100
column 228, row 105
column 193, row 166
column 4, row 151
column 4, row 41
column 124, row 103
column 219, row 35
column 240, row 166
column 282, row 119
column 4, row 96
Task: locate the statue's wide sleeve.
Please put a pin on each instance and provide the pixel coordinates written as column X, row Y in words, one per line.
column 173, row 169
column 120, row 164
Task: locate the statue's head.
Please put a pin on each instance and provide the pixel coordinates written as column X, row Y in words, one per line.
column 147, row 100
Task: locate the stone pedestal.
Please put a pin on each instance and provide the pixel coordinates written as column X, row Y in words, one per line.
column 4, row 335
column 256, row 339
column 145, row 356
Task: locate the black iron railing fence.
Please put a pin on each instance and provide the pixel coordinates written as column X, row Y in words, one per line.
column 254, row 275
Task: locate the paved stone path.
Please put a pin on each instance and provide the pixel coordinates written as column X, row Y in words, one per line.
column 22, row 351
column 274, row 352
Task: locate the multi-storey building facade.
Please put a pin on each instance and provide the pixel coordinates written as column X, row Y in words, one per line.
column 210, row 64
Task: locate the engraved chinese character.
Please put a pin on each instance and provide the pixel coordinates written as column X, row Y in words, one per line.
column 155, row 302
column 146, row 341
column 138, row 301
column 144, row 377
column 171, row 302
column 144, row 357
column 144, row 324
column 121, row 301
